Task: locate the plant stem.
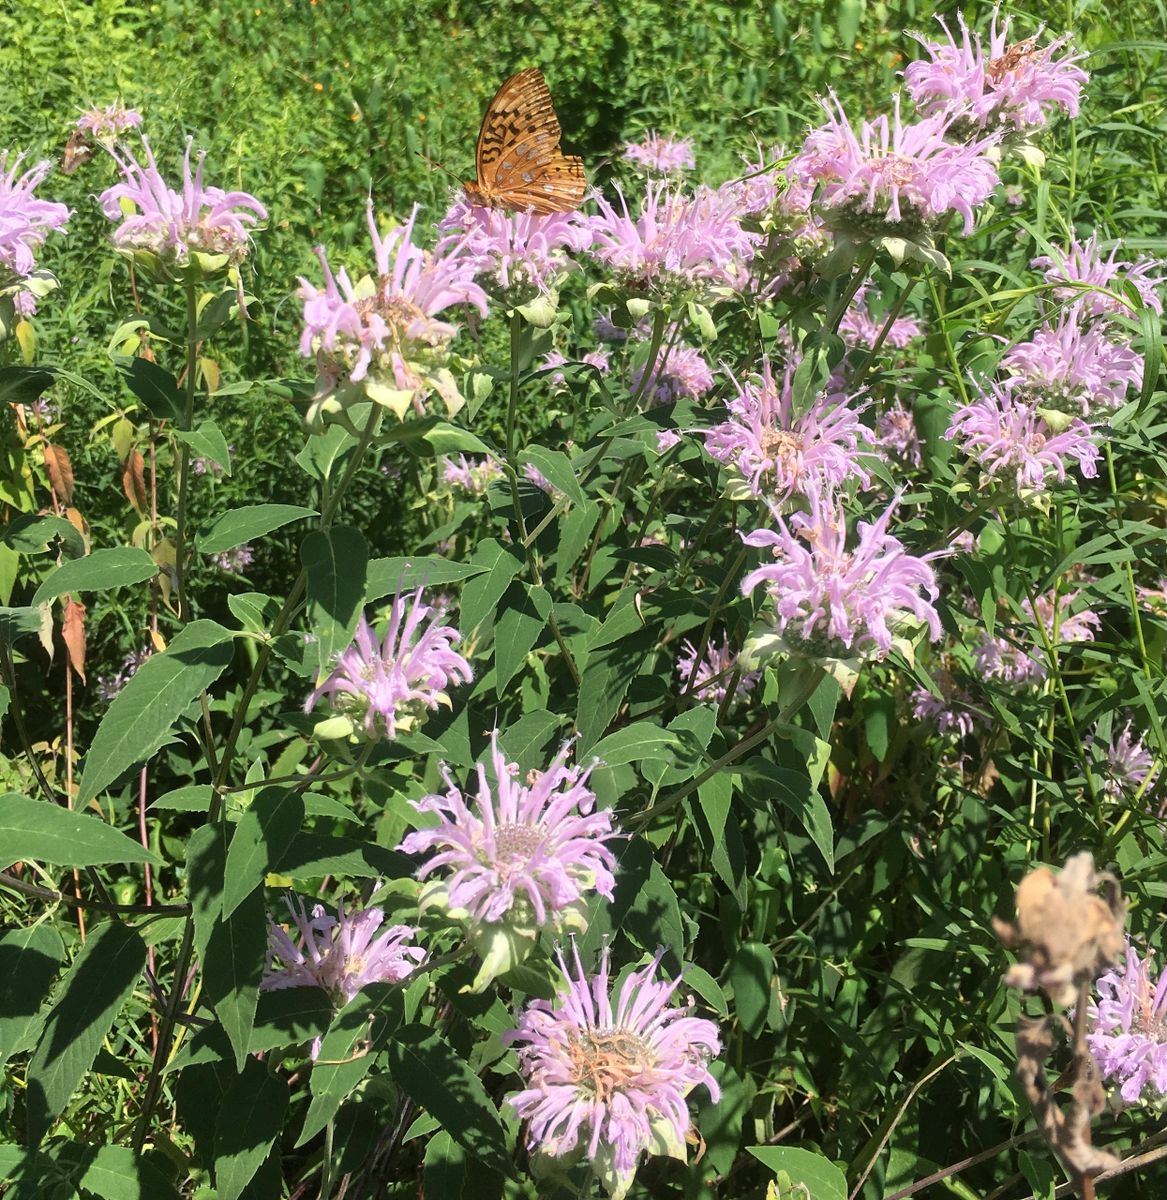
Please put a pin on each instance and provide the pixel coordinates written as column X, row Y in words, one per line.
column 192, row 320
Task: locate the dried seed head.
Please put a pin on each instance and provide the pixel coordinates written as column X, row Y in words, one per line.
column 1065, row 932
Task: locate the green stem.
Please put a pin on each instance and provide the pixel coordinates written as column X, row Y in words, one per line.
column 889, row 321
column 192, row 345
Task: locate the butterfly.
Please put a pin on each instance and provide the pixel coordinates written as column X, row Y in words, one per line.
column 518, row 160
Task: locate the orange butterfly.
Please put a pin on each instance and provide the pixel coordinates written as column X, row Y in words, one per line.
column 518, row 160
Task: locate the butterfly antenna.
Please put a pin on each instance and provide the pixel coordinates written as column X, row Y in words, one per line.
column 435, row 165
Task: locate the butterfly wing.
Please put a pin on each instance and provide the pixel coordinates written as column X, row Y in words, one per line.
column 518, row 160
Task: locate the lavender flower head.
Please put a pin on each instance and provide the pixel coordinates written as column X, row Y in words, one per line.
column 1013, row 442
column 1004, row 87
column 679, row 373
column 607, row 1081
column 661, row 155
column 951, row 711
column 773, row 452
column 108, row 686
column 678, row 247
column 599, row 358
column 1082, row 264
column 472, row 477
column 517, row 256
column 1128, row 767
column 829, row 602
column 891, row 183
column 106, row 124
column 171, row 234
column 897, row 436
column 1074, row 368
column 385, row 687
column 339, row 954
column 236, row 561
column 1128, row 1029
column 520, row 858
column 1022, row 659
column 381, row 338
column 709, row 679
column 25, row 222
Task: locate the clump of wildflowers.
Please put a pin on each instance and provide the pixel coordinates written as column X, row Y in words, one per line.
column 608, row 1081
column 835, row 604
column 661, row 155
column 25, row 222
column 1082, row 264
column 236, row 561
column 1012, row 441
column 521, row 857
column 196, row 232
column 599, row 358
column 340, row 954
column 861, row 328
column 897, row 435
column 1022, row 659
column 1128, row 767
column 773, row 452
column 386, row 686
column 890, row 184
column 1128, row 1029
column 1007, row 86
column 1071, row 367
column 380, row 339
column 108, row 686
column 709, row 678
column 951, row 711
column 680, row 373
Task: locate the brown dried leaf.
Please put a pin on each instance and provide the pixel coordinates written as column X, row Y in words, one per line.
column 73, row 635
column 60, row 471
column 134, row 481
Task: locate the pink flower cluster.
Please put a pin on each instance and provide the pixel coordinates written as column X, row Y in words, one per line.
column 387, row 684
column 1002, row 86
column 1128, row 1029
column 25, row 222
column 472, row 477
column 680, row 373
column 1021, row 658
column 709, row 678
column 174, row 227
column 662, row 155
column 1081, row 267
column 829, row 601
column 105, row 124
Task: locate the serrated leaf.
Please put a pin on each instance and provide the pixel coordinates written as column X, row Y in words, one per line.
column 312, row 855
column 251, row 1115
column 432, row 1074
column 208, row 442
column 290, row 1016
column 233, row 967
column 523, row 741
column 389, row 575
column 356, row 1036
column 94, row 988
column 750, row 973
column 481, row 594
column 97, row 572
column 156, row 387
column 654, row 918
column 521, row 622
column 450, row 1173
column 29, row 961
column 634, row 743
column 795, row 792
column 116, row 1173
column 30, row 533
column 248, row 522
column 336, row 562
column 145, row 710
column 261, row 838
column 815, row 1172
column 44, row 832
column 556, row 468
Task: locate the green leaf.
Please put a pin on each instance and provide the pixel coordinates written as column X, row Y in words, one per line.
column 208, row 442
column 500, row 564
column 30, row 533
column 117, row 1173
column 261, row 838
column 322, row 451
column 29, row 961
column 206, row 864
column 145, row 710
column 336, row 562
column 24, row 385
column 357, row 1035
column 312, row 855
column 251, row 1115
column 816, row 1172
column 606, row 679
column 451, row 1174
column 795, row 792
column 17, row 623
column 389, row 575
column 157, row 389
column 289, row 1017
column 44, row 832
column 95, row 987
column 750, row 974
column 523, row 741
column 233, row 967
column 195, row 797
column 634, row 743
column 520, row 624
column 556, row 468
column 97, row 572
column 654, row 918
column 248, row 522
column 432, row 1074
